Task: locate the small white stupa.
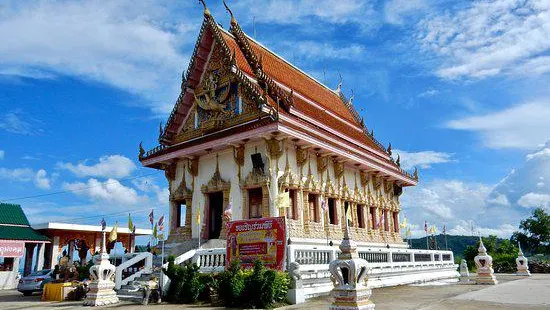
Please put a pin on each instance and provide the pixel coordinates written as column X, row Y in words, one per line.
column 464, row 273
column 484, row 264
column 522, row 264
column 350, row 290
column 102, row 291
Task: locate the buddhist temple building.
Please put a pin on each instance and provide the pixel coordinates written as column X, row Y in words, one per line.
column 251, row 136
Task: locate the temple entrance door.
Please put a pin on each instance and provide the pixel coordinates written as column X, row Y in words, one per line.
column 215, row 211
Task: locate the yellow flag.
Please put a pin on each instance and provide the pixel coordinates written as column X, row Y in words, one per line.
column 404, row 223
column 432, row 230
column 113, row 234
column 408, row 233
column 199, row 216
column 130, row 223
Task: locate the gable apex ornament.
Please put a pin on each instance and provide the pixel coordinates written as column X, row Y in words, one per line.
column 206, row 10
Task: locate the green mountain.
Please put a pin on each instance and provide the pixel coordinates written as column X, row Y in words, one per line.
column 457, row 244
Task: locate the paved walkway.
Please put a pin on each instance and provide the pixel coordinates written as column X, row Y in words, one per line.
column 513, row 292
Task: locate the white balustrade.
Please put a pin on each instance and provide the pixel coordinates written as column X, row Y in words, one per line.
column 129, row 267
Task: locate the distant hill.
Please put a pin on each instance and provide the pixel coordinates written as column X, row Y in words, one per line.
column 455, row 243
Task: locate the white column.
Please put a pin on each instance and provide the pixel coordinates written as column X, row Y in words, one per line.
column 39, row 262
column 273, row 188
column 55, row 252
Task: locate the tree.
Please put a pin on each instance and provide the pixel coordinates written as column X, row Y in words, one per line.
column 535, row 234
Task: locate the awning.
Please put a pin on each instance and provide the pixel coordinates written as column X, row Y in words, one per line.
column 22, row 233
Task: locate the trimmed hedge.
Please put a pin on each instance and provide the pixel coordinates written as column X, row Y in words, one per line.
column 258, row 287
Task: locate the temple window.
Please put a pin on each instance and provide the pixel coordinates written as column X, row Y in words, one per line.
column 313, row 204
column 239, row 105
column 181, row 210
column 293, row 207
column 255, row 196
column 197, row 120
column 361, row 216
column 386, row 221
column 347, row 206
column 396, row 222
column 332, row 214
column 372, row 217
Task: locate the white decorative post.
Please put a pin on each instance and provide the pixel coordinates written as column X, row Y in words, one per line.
column 350, row 290
column 102, row 291
column 484, row 264
column 521, row 264
column 464, row 273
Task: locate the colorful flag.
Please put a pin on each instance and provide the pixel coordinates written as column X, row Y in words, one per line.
column 404, row 223
column 426, row 226
column 151, row 217
column 161, row 223
column 103, row 224
column 155, row 231
column 113, row 235
column 131, row 226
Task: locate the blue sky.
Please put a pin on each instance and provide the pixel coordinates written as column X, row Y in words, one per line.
column 460, row 89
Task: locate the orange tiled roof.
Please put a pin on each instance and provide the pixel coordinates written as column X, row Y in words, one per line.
column 288, row 75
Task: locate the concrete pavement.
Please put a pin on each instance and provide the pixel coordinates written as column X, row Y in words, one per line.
column 513, row 292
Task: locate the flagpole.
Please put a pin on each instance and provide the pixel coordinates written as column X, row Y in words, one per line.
column 445, row 235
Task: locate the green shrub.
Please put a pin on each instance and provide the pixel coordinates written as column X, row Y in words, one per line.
column 210, row 285
column 504, row 263
column 231, row 285
column 185, row 285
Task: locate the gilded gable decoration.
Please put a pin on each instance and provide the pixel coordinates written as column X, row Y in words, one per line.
column 182, row 192
column 322, row 163
column 216, row 182
column 238, row 156
column 193, row 166
column 288, row 178
column 338, row 169
column 274, row 148
column 364, row 176
column 301, row 157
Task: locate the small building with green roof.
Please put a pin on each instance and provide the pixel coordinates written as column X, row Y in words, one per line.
column 17, row 238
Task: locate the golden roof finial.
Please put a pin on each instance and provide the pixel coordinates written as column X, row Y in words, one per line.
column 233, row 20
column 206, row 11
column 339, row 87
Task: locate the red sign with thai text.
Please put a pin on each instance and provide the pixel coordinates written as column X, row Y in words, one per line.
column 257, row 239
column 11, row 248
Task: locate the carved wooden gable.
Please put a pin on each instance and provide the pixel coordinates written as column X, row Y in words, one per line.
column 219, row 101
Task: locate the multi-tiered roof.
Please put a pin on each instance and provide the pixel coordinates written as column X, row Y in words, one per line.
column 302, row 104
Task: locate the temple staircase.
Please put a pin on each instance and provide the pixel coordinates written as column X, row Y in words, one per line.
column 128, row 292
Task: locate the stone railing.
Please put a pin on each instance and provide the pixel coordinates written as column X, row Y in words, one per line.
column 210, row 260
column 132, row 268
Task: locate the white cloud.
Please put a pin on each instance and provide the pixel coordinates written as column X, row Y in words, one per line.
column 109, row 166
column 297, row 11
column 126, row 44
column 148, row 185
column 523, row 126
column 2, row 153
column 395, row 11
column 465, row 228
column 111, row 192
column 316, row 50
column 499, row 200
column 423, row 159
column 489, row 38
column 428, row 93
column 40, row 177
column 12, row 122
column 534, row 200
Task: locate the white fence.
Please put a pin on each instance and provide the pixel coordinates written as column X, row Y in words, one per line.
column 389, row 266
